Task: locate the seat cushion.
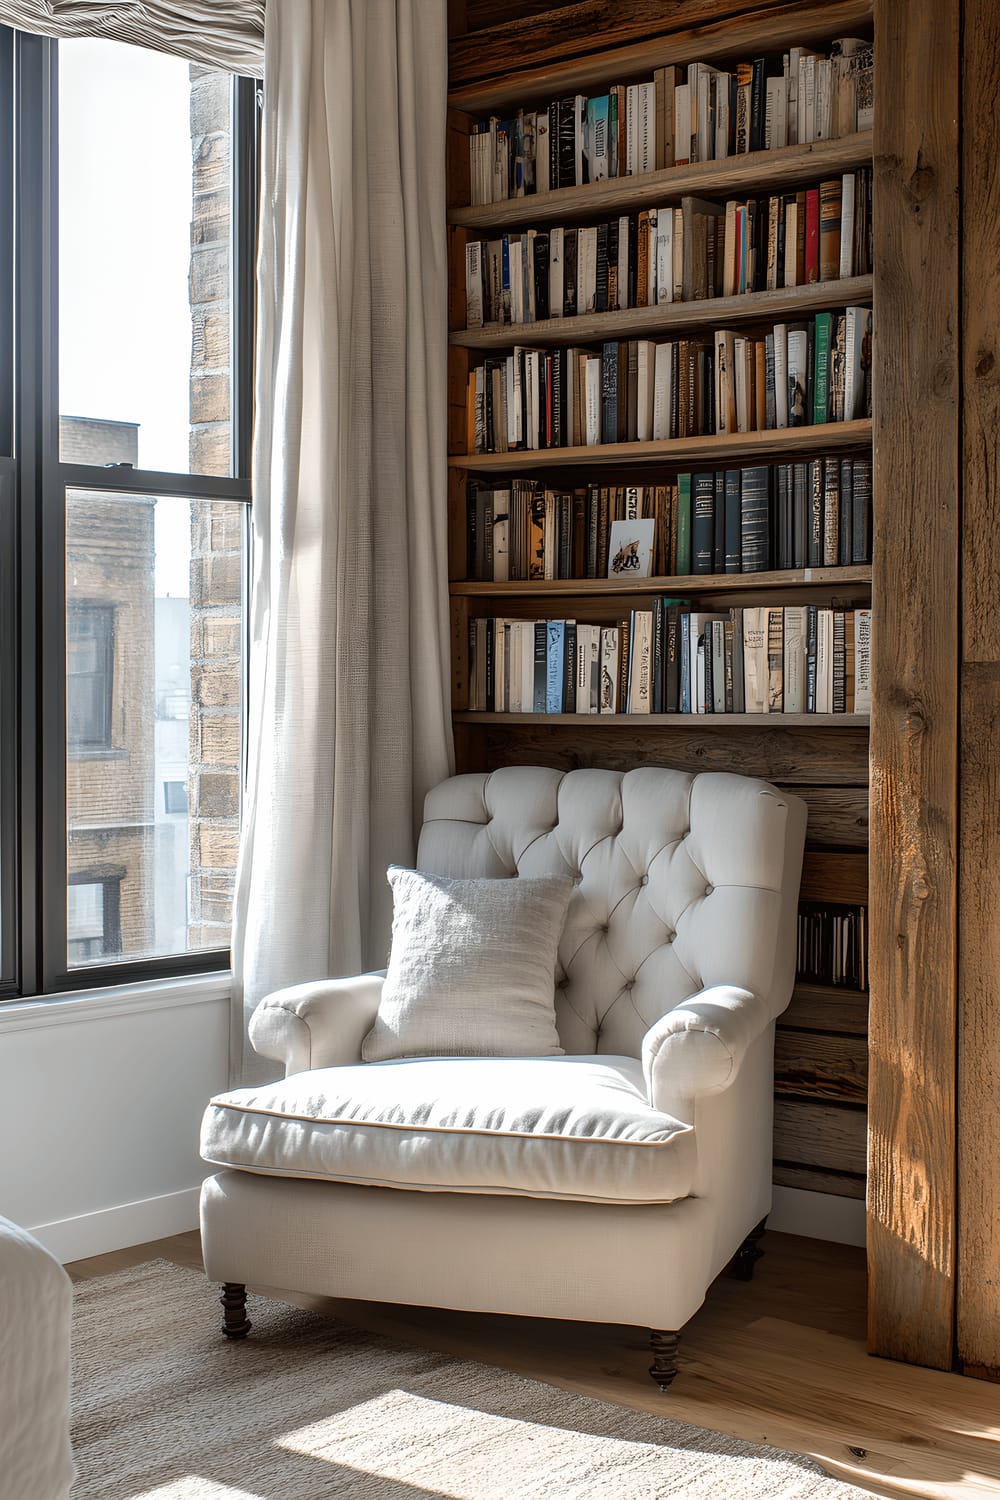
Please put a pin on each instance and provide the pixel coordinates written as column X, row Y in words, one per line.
column 550, row 1127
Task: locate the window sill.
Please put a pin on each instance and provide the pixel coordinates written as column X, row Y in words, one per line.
column 114, row 1000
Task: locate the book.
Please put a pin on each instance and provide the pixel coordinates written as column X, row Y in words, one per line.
column 755, row 664
column 775, row 634
column 703, row 523
column 794, row 670
column 821, row 367
column 630, row 548
column 830, row 226
column 862, row 661
column 755, row 546
column 640, row 681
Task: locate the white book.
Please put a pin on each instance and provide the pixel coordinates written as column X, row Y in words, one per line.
column 794, row 664
column 593, row 401
column 740, row 383
column 608, row 700
column 527, row 666
column 720, row 86
column 776, row 114
column 807, row 98
column 516, row 407
column 682, row 124
column 781, row 374
column 652, row 221
column 862, row 661
column 586, row 270
column 513, row 649
column 718, row 704
column 678, row 237
column 640, row 677
column 515, row 253
column 557, row 238
column 645, row 143
column 824, row 661
column 631, row 127
column 542, row 152
column 474, row 284
column 725, row 389
column 645, row 380
column 664, row 256
column 705, row 124
column 823, row 123
column 501, row 685
column 623, row 252
column 583, row 668
column 755, row 675
column 798, row 376
column 579, row 132
column 663, row 390
column 855, row 333
column 847, row 189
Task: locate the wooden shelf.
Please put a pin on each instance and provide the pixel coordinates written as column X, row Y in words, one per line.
column 708, row 451
column 787, row 303
column 688, row 583
column 733, row 176
column 671, row 721
column 510, row 67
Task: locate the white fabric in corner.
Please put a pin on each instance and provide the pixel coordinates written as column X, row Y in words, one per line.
column 472, row 968
column 350, row 686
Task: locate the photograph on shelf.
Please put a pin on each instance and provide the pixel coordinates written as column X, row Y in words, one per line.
column 630, row 549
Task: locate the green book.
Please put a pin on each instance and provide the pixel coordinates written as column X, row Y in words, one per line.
column 683, row 524
column 821, row 367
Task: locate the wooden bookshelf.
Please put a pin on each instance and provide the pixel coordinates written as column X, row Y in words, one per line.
column 711, row 451
column 789, row 304
column 821, row 1065
column 789, row 166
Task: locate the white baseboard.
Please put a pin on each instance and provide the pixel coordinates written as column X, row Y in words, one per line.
column 117, row 1228
column 818, row 1216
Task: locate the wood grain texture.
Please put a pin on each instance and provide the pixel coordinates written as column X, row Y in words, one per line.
column 682, row 723
column 838, row 816
column 911, row 1233
column 808, row 1065
column 978, row 1290
column 749, row 447
column 782, row 1361
column 809, row 755
column 818, row 1180
column 734, row 176
column 568, row 51
column 835, row 877
column 820, row 1135
column 585, row 589
column 818, row 1007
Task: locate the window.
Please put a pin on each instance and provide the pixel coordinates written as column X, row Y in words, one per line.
column 90, row 655
column 127, row 227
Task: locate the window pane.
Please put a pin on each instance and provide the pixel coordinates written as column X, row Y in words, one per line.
column 144, row 272
column 154, row 663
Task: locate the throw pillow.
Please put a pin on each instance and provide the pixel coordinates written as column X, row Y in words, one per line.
column 472, row 968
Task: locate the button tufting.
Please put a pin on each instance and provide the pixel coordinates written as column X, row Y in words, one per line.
column 562, row 984
column 630, row 984
column 709, row 889
column 644, row 880
column 671, row 936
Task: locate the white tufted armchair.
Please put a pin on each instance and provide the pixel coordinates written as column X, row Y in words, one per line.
column 609, row 1185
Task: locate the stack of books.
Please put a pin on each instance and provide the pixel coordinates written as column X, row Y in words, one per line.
column 697, row 113
column 676, row 658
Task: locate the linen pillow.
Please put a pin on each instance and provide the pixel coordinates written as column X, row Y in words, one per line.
column 471, row 969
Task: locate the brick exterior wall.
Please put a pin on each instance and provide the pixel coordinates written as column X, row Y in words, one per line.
column 216, row 532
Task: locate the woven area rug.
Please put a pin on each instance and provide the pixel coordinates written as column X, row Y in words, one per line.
column 165, row 1409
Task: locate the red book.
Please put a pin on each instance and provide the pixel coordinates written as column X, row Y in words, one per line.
column 812, row 234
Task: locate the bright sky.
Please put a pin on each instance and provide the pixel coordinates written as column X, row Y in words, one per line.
column 125, row 213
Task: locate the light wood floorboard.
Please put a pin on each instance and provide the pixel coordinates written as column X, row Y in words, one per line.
column 778, row 1360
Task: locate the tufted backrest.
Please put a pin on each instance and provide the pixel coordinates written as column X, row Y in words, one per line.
column 682, row 882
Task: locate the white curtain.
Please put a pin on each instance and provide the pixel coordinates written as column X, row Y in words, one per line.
column 349, row 675
column 219, row 33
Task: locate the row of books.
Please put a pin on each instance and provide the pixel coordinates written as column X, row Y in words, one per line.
column 697, row 113
column 812, row 513
column 637, row 390
column 650, row 258
column 671, row 658
column 833, row 944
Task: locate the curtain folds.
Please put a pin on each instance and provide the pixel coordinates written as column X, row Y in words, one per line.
column 218, row 33
column 349, row 676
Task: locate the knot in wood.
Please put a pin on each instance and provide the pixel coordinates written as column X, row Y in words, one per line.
column 985, row 363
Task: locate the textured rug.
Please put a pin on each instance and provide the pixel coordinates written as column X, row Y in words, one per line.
column 165, row 1409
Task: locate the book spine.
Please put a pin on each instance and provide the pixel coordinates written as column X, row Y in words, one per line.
column 821, row 368
column 754, row 519
column 830, row 229
column 831, row 512
column 846, row 512
column 812, row 235
column 839, row 663
column 861, row 496
column 775, row 660
column 554, row 660
column 703, row 523
column 684, row 524
column 810, row 707
column 610, row 394
column 734, row 530
column 569, row 669
column 862, row 661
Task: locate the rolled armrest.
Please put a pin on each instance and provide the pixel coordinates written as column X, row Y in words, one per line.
column 696, row 1049
column 317, row 1025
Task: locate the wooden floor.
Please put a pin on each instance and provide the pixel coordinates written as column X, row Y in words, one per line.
column 778, row 1360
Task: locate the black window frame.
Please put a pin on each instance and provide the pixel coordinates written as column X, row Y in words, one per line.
column 33, row 739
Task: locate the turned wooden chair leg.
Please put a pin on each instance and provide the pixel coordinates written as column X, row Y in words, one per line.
column 235, row 1323
column 749, row 1253
column 664, row 1347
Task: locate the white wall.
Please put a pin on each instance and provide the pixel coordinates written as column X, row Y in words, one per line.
column 101, row 1098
